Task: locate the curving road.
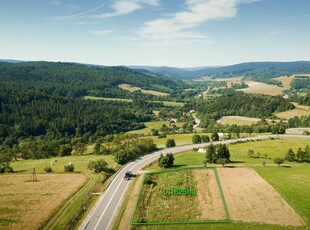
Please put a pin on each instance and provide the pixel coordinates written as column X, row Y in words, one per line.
column 105, row 210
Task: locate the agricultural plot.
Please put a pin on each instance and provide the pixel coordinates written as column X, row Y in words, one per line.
column 134, row 88
column 238, row 120
column 185, row 195
column 262, row 88
column 251, row 199
column 27, row 205
column 286, row 81
column 300, row 110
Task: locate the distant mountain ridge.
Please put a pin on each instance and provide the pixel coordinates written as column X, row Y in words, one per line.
column 248, row 68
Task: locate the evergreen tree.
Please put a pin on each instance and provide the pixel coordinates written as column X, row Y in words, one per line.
column 300, row 155
column 290, row 155
column 215, row 136
column 211, row 154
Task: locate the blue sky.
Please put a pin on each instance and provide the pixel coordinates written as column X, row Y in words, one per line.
column 178, row 33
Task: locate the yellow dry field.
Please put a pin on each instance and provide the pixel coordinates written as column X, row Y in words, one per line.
column 250, row 198
column 26, row 205
column 238, row 120
column 286, row 81
column 262, row 88
column 134, row 88
column 300, row 110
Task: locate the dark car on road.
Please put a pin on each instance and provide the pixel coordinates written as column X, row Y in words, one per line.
column 128, row 175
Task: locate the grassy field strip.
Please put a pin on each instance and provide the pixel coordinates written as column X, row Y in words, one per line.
column 293, row 184
column 166, row 103
column 79, row 162
column 238, row 120
column 132, row 88
column 107, row 99
column 300, row 110
column 154, row 125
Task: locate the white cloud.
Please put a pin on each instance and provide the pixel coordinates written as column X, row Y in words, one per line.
column 122, row 7
column 59, row 3
column 176, row 26
column 102, row 32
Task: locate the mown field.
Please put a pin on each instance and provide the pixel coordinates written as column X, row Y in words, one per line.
column 132, row 88
column 286, row 81
column 262, row 88
column 292, row 181
column 300, row 110
column 238, row 120
column 166, row 103
column 79, row 162
column 26, row 205
column 29, row 205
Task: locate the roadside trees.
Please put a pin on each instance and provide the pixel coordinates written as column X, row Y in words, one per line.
column 170, row 143
column 196, row 139
column 166, row 161
column 215, row 136
column 205, row 138
column 98, row 166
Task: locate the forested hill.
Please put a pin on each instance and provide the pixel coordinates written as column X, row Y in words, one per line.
column 76, row 80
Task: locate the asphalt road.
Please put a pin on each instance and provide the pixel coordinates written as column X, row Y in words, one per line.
column 105, row 210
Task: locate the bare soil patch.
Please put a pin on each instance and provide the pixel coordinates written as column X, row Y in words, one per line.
column 26, row 205
column 209, row 197
column 250, row 198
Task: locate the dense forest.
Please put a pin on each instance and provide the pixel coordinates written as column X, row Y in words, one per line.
column 26, row 113
column 300, row 83
column 241, row 104
column 76, row 80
